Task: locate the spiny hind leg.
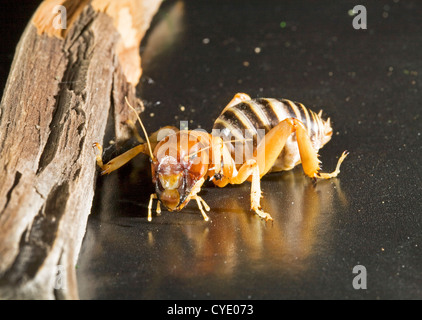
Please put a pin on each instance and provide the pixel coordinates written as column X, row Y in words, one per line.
column 270, row 148
column 272, row 145
column 323, row 175
column 309, row 157
column 98, row 148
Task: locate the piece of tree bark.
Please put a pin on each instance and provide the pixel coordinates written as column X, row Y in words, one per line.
column 63, row 87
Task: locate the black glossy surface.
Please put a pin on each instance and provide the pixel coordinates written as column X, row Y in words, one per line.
column 367, row 81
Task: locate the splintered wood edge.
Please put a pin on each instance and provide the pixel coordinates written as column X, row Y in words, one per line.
column 131, row 19
column 49, row 163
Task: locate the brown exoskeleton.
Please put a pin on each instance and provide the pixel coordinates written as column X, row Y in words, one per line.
column 183, row 160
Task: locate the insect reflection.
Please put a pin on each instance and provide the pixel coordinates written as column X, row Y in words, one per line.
column 234, row 238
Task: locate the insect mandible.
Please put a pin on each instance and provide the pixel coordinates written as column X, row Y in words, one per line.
column 181, row 161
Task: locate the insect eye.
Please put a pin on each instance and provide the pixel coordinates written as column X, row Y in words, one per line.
column 159, row 185
column 218, row 176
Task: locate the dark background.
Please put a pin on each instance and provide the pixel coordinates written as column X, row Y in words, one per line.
column 14, row 16
column 367, row 81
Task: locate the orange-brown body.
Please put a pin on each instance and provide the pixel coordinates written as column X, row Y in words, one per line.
column 278, row 135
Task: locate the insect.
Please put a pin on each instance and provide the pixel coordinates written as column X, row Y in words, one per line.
column 282, row 134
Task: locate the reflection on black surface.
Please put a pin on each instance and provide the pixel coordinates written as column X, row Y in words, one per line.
column 291, row 238
column 181, row 246
column 319, row 234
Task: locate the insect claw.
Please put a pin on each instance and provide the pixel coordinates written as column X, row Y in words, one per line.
column 201, row 203
column 158, row 210
column 263, row 215
column 151, row 198
column 98, row 147
column 206, row 206
column 106, row 169
column 269, row 218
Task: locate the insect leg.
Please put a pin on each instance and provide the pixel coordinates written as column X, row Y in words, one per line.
column 135, row 133
column 124, row 158
column 271, row 146
column 158, row 210
column 333, row 174
column 151, row 198
column 206, row 206
column 120, row 160
column 251, row 169
column 199, row 201
column 256, row 195
column 309, row 156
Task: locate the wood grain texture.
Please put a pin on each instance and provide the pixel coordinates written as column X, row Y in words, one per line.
column 60, row 93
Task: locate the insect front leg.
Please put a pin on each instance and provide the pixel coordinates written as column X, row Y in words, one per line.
column 151, row 198
column 201, row 203
column 118, row 161
column 158, row 210
column 124, row 158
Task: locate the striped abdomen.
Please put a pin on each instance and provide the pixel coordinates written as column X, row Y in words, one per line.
column 266, row 113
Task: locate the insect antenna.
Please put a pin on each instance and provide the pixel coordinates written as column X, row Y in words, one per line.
column 230, row 141
column 143, row 128
column 196, row 152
